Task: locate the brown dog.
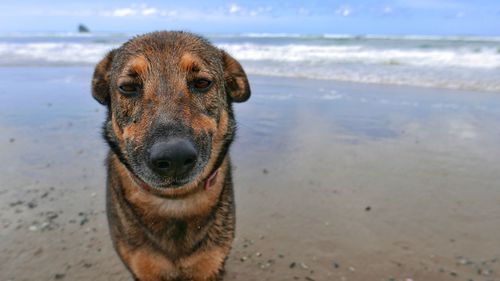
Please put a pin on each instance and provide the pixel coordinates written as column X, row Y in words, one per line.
column 169, row 126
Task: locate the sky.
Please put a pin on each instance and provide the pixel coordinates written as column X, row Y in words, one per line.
column 391, row 17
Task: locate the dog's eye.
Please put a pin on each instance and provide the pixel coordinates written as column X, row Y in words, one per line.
column 129, row 89
column 201, row 84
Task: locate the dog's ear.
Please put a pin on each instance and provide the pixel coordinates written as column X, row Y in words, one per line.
column 100, row 80
column 236, row 80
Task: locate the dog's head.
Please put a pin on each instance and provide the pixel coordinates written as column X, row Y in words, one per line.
column 169, row 96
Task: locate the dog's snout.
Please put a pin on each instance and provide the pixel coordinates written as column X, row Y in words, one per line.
column 175, row 157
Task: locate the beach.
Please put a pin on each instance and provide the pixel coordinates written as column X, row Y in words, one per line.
column 333, row 181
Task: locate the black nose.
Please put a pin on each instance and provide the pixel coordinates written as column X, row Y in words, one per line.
column 175, row 157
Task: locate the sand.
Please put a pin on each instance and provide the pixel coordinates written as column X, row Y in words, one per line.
column 333, row 181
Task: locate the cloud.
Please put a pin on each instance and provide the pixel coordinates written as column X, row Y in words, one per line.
column 388, row 10
column 168, row 13
column 430, row 4
column 344, row 11
column 260, row 10
column 124, row 12
column 149, row 11
column 138, row 11
column 134, row 10
column 234, row 8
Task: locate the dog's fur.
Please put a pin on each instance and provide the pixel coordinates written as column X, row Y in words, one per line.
column 167, row 228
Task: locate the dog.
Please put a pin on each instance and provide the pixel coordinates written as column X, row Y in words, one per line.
column 169, row 126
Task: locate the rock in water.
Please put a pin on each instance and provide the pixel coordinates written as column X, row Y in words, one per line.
column 83, row 29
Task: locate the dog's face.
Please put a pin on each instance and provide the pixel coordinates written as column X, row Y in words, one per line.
column 169, row 98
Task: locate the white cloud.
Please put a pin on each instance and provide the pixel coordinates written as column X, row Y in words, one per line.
column 259, row 11
column 133, row 10
column 124, row 12
column 144, row 10
column 149, row 11
column 234, row 8
column 430, row 4
column 388, row 10
column 344, row 11
column 166, row 13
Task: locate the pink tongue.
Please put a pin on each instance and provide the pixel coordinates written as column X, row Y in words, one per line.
column 211, row 180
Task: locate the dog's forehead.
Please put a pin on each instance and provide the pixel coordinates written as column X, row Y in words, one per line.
column 183, row 50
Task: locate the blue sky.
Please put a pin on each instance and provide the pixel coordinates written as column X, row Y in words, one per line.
column 421, row 17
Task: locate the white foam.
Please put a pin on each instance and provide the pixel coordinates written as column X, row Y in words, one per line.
column 486, row 58
column 52, row 53
column 421, row 77
column 333, row 95
column 272, row 35
column 415, row 37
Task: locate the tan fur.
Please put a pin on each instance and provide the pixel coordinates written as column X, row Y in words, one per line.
column 139, row 65
column 188, row 62
column 149, row 266
column 201, row 124
column 204, row 265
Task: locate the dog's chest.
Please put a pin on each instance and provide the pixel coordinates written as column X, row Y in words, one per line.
column 179, row 237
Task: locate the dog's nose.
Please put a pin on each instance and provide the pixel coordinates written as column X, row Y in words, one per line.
column 175, row 157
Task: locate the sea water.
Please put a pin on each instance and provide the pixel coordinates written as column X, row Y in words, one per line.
column 468, row 63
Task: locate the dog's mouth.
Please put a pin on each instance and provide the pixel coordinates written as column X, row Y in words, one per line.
column 176, row 184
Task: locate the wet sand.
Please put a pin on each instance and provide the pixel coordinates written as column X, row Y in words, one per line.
column 333, row 181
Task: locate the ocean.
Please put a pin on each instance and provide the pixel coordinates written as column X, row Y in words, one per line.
column 464, row 63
